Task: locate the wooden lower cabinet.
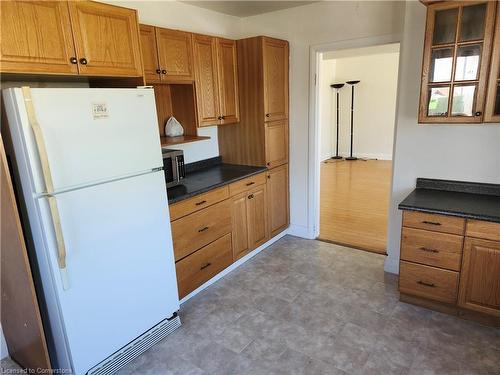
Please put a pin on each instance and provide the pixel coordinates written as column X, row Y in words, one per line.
column 249, row 214
column 277, row 192
column 480, row 276
column 451, row 264
column 204, row 264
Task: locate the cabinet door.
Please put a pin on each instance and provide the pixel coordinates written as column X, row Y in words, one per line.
column 492, row 109
column 106, row 39
column 277, row 192
column 276, row 143
column 175, row 54
column 257, row 217
column 228, row 81
column 275, row 60
column 480, row 276
column 240, row 226
column 205, row 65
column 457, row 51
column 149, row 53
column 37, row 37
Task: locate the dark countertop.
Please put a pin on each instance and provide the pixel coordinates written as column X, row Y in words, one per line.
column 207, row 177
column 455, row 198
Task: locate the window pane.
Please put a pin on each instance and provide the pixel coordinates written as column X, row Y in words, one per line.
column 497, row 102
column 463, row 100
column 472, row 22
column 445, row 26
column 441, row 63
column 467, row 62
column 438, row 101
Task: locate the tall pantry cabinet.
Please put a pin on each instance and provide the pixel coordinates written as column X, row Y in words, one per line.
column 261, row 137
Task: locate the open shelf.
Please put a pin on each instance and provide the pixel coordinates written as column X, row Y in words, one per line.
column 168, row 141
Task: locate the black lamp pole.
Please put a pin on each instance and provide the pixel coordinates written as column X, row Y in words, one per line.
column 352, row 83
column 337, row 87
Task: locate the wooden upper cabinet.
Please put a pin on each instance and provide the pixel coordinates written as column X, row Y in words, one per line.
column 228, row 81
column 275, row 65
column 152, row 71
column 36, row 38
column 106, row 39
column 277, row 198
column 276, row 136
column 492, row 108
column 205, row 63
column 457, row 49
column 175, row 54
column 480, row 276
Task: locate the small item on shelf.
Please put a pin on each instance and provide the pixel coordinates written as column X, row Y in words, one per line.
column 173, row 128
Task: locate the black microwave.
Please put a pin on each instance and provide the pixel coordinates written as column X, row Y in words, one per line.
column 173, row 165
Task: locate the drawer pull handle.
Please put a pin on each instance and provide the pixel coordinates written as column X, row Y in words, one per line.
column 428, row 250
column 202, row 229
column 250, row 183
column 430, row 222
column 250, row 196
column 205, row 266
column 426, row 284
column 200, row 203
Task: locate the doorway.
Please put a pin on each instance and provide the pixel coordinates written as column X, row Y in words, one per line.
column 355, row 161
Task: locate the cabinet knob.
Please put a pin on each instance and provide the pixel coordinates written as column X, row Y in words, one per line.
column 219, row 118
column 73, row 60
column 163, row 71
column 158, row 71
column 268, row 164
column 83, row 61
column 250, row 196
column 223, row 117
column 268, row 115
column 478, row 114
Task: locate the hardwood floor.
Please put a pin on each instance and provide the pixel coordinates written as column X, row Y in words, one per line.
column 355, row 202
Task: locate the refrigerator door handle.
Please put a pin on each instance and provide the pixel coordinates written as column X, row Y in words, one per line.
column 44, row 161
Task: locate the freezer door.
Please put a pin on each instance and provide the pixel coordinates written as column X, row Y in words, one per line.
column 92, row 135
column 120, row 264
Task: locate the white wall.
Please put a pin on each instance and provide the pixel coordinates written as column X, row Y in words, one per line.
column 314, row 24
column 455, row 152
column 176, row 15
column 374, row 101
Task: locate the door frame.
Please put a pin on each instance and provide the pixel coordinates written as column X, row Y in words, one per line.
column 313, row 195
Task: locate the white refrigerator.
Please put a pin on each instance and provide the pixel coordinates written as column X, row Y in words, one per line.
column 89, row 166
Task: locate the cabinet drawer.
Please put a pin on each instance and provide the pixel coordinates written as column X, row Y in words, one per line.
column 483, row 229
column 198, row 202
column 436, row 223
column 247, row 184
column 200, row 228
column 204, row 264
column 428, row 282
column 434, row 249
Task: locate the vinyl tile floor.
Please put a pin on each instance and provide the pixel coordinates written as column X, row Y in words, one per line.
column 310, row 307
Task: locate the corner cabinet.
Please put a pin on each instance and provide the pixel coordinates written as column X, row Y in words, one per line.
column 457, row 50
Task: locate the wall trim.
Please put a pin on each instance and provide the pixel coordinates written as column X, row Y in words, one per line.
column 314, row 120
column 233, row 266
column 391, row 265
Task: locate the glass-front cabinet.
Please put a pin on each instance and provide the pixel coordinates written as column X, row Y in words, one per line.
column 457, row 49
column 492, row 108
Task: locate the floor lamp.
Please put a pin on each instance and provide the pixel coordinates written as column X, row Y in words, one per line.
column 352, row 83
column 337, row 87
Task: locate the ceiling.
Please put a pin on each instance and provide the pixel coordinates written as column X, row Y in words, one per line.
column 247, row 8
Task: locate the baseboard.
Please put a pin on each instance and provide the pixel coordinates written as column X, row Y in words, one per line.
column 391, row 265
column 233, row 266
column 301, row 231
column 369, row 156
